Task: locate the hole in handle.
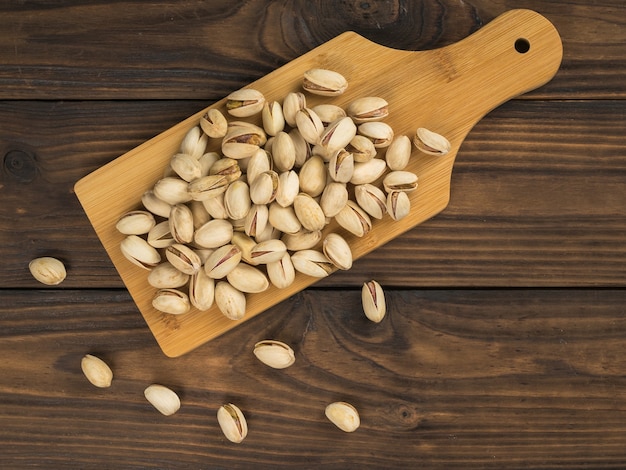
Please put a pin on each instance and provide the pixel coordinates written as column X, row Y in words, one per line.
column 522, row 45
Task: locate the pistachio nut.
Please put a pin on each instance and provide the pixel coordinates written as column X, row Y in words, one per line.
column 341, row 166
column 155, row 205
column 207, row 160
column 228, row 167
column 245, row 102
column 268, row 251
column 398, row 204
column 248, row 279
column 201, row 290
column 97, row 371
column 276, row 354
column 165, row 400
column 288, row 188
column 309, row 212
column 181, row 223
column 301, row 147
column 213, row 123
column 222, row 261
column 264, row 187
column 215, row 206
column 183, row 258
column 312, row 176
column 139, row 252
column 166, row 276
column 380, row 133
column 258, row 163
column 312, row 263
column 324, row 82
column 135, row 222
column 237, row 200
column 329, row 112
column 243, row 141
column 301, row 240
column 371, row 199
column 47, row 270
column 310, row 125
column 194, row 142
column 283, row 152
column 338, row 134
column 232, row 423
column 334, row 197
column 203, row 254
column 368, row 172
column 373, row 300
column 172, row 190
column 337, row 250
column 354, row 219
column 272, row 117
column 398, row 153
column 361, row 148
column 160, row 235
column 186, row 166
column 281, row 273
column 207, row 187
column 400, row 180
column 199, row 213
column 292, row 103
column 283, row 218
column 268, row 233
column 214, row 233
column 230, row 301
column 245, row 244
column 172, row 301
column 256, row 220
column 343, row 415
column 430, row 142
column 368, row 108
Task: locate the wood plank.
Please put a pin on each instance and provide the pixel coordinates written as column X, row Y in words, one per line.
column 205, row 49
column 451, row 378
column 537, row 196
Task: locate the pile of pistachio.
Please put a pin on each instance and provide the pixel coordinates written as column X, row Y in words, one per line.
column 234, row 221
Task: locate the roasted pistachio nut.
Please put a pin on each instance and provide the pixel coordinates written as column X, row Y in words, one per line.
column 172, row 301
column 400, row 180
column 430, row 142
column 312, row 263
column 334, row 197
column 301, row 240
column 207, row 160
column 341, row 166
column 245, row 102
column 139, row 252
column 166, row 276
column 243, row 141
column 373, row 300
column 248, row 279
column 288, row 188
column 309, row 125
column 268, row 251
column 281, row 273
column 275, row 354
column 273, row 118
column 164, row 399
column 371, row 199
column 309, row 212
column 135, row 222
column 194, row 143
column 398, row 204
column 213, row 123
column 337, row 250
column 354, row 219
column 97, row 371
column 361, row 148
column 343, row 415
column 186, row 166
column 283, row 152
column 338, row 134
column 214, row 233
column 155, row 205
column 380, row 133
column 222, row 261
column 329, row 112
column 264, row 188
column 312, row 176
column 200, row 215
column 181, row 223
column 215, row 206
column 368, row 108
column 48, row 270
column 256, row 220
column 368, row 172
column 301, row 146
column 172, row 190
column 201, row 290
column 232, row 422
column 258, row 163
column 230, row 301
column 207, row 187
column 292, row 103
column 324, row 82
column 283, row 218
column 228, row 167
column 183, row 258
column 398, row 153
column 237, row 200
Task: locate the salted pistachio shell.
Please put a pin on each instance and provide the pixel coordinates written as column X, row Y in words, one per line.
column 242, row 141
column 172, row 301
column 155, row 205
column 181, row 223
column 341, row 166
column 337, row 250
column 48, row 270
column 368, row 108
column 203, row 254
column 166, row 276
column 139, row 252
column 160, row 235
column 281, row 273
column 183, row 258
column 258, row 163
column 256, row 220
column 354, row 219
column 264, row 188
column 172, row 190
column 200, row 215
column 232, row 423
column 371, row 199
column 310, row 125
column 361, row 148
column 343, row 415
column 334, row 197
column 324, row 82
column 268, row 251
column 186, row 166
column 135, row 222
column 272, row 117
column 380, row 133
column 194, row 142
column 201, row 290
column 430, row 142
column 312, row 263
column 248, row 279
column 400, row 180
column 288, row 188
column 207, row 160
column 329, row 112
column 368, row 172
column 373, row 300
column 207, row 187
column 398, row 153
column 228, row 167
column 283, row 152
column 97, row 371
column 165, row 400
column 312, row 176
column 214, row 233
column 398, row 204
column 268, row 233
column 230, row 301
column 245, row 102
column 283, row 218
column 309, row 212
column 292, row 103
column 214, row 123
column 215, row 206
column 222, row 261
column 237, row 200
column 301, row 146
column 338, row 134
column 275, row 354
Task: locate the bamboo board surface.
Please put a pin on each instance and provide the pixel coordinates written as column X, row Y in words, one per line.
column 446, row 90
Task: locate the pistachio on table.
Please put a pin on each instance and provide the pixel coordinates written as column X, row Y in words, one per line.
column 343, row 415
column 97, row 371
column 430, row 142
column 275, row 354
column 165, row 400
column 232, row 422
column 373, row 300
column 48, row 270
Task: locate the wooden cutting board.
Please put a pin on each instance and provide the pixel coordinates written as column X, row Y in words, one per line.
column 447, row 90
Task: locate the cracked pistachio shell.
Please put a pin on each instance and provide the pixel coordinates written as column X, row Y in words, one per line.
column 237, row 200
column 264, row 187
column 312, row 176
column 283, row 218
column 183, row 258
column 309, row 212
column 361, row 148
column 354, row 219
column 215, row 206
column 228, row 167
column 371, row 199
column 172, row 301
column 268, row 251
column 430, row 142
column 186, row 166
column 258, row 163
column 301, row 240
column 256, row 220
column 292, row 103
column 97, row 371
column 230, row 301
column 166, row 276
column 165, row 400
column 199, row 213
column 288, row 188
column 313, row 263
column 368, row 108
column 214, row 123
column 273, row 118
column 343, row 415
column 139, row 252
column 373, row 300
column 400, row 180
column 207, row 187
column 181, row 223
column 201, row 290
column 214, row 233
column 398, row 153
column 194, row 143
column 368, row 172
column 301, row 146
column 341, row 166
column 135, row 223
column 245, row 102
column 155, row 205
column 248, row 279
column 207, row 160
column 334, row 197
column 398, row 204
column 268, row 233
column 380, row 133
column 276, row 354
column 173, row 190
column 281, row 273
column 232, row 423
column 242, row 141
column 283, row 152
column 338, row 134
column 222, row 261
column 337, row 250
column 329, row 112
column 324, row 82
column 310, row 125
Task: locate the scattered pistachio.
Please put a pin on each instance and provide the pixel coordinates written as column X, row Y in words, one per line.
column 232, row 422
column 47, row 270
column 97, row 371
column 165, row 400
column 343, row 415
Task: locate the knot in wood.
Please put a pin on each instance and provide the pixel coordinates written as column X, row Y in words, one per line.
column 21, row 165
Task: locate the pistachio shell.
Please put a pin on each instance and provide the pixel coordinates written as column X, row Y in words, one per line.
column 373, row 300
column 232, row 422
column 214, row 233
column 194, row 142
column 166, row 276
column 268, row 251
column 228, row 167
column 275, row 354
column 302, row 239
column 213, row 123
column 398, row 204
column 368, row 108
column 181, row 223
column 338, row 134
column 48, row 270
column 237, row 200
column 301, row 147
column 207, row 187
column 183, row 258
column 344, row 416
column 245, row 244
column 324, row 82
column 245, row 102
column 283, row 152
column 354, row 219
column 155, row 205
column 398, row 153
column 312, row 176
column 172, row 190
column 431, row 143
column 310, row 125
column 258, row 163
column 256, row 220
column 309, row 212
column 329, row 112
column 243, row 141
column 222, row 261
column 341, row 166
column 368, row 172
column 135, row 223
column 215, row 206
column 337, row 250
column 97, row 371
column 334, row 197
column 186, row 166
column 312, row 263
column 264, row 188
column 201, row 290
column 293, row 103
column 207, row 160
column 248, row 279
column 139, row 252
column 200, row 215
column 361, row 148
column 172, row 301
column 165, row 400
column 380, row 133
column 230, row 301
column 283, row 218
column 371, row 199
column 273, row 118
column 400, row 180
column 288, row 188
column 281, row 273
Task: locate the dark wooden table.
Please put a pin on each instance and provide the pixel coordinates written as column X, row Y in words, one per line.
column 504, row 342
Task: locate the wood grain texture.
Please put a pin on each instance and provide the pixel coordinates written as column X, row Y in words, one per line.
column 471, row 379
